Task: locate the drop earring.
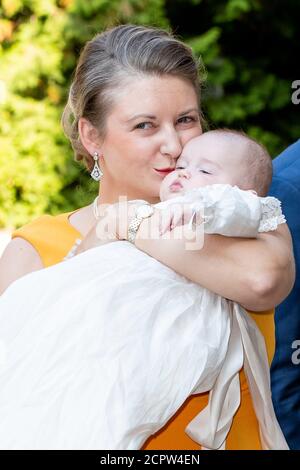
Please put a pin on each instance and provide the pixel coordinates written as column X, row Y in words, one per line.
column 96, row 172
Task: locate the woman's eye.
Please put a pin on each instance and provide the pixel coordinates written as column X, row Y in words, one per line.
column 144, row 125
column 186, row 119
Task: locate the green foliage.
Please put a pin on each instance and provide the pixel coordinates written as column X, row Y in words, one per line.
column 39, row 44
column 249, row 49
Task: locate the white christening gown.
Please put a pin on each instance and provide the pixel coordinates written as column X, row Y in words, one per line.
column 101, row 350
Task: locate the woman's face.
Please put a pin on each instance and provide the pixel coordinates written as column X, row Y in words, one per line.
column 151, row 121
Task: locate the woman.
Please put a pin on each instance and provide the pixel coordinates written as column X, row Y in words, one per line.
column 134, row 103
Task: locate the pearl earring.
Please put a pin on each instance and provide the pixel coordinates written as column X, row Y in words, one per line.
column 96, row 172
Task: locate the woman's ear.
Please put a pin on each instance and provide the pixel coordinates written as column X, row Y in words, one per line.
column 89, row 136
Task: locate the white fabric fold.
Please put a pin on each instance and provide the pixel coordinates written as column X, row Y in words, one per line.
column 246, row 347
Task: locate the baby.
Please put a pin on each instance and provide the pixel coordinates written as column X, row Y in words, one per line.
column 221, row 156
column 217, row 157
column 112, row 342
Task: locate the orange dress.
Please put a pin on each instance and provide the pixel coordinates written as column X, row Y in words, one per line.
column 53, row 237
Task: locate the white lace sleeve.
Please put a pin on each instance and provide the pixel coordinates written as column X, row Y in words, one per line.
column 272, row 215
column 230, row 211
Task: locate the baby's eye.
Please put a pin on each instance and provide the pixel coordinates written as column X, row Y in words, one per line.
column 179, row 168
column 205, row 172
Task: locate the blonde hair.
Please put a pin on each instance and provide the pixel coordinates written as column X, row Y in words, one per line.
column 104, row 64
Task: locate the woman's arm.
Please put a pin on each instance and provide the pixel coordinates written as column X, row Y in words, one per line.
column 257, row 273
column 19, row 258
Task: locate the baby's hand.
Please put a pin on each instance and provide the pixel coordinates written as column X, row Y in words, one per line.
column 174, row 215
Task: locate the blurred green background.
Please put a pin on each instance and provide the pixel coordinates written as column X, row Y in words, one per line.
column 250, row 49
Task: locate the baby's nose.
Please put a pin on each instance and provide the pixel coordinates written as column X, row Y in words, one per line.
column 183, row 172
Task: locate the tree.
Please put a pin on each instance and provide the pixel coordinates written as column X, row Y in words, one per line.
column 248, row 46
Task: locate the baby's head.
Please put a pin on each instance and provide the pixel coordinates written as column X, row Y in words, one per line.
column 220, row 156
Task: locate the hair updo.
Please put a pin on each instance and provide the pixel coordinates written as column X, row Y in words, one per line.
column 107, row 60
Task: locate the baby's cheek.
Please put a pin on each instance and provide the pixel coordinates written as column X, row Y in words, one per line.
column 204, row 180
column 164, row 186
column 196, row 182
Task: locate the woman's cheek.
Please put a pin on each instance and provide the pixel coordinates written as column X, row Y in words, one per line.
column 189, row 134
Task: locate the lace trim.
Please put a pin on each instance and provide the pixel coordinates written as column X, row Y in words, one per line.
column 272, row 215
column 71, row 253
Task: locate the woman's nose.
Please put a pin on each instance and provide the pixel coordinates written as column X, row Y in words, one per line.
column 171, row 145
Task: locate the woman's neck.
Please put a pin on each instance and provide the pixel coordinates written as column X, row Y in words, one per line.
column 111, row 193
column 122, row 198
column 83, row 219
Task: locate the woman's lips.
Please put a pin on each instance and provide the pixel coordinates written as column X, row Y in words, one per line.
column 163, row 172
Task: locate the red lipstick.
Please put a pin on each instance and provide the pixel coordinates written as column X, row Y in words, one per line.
column 164, row 171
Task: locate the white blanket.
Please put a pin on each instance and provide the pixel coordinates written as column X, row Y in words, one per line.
column 100, row 351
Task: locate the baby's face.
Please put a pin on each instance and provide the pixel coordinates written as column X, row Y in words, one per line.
column 207, row 159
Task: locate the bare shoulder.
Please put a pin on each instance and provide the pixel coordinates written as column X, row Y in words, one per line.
column 18, row 259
